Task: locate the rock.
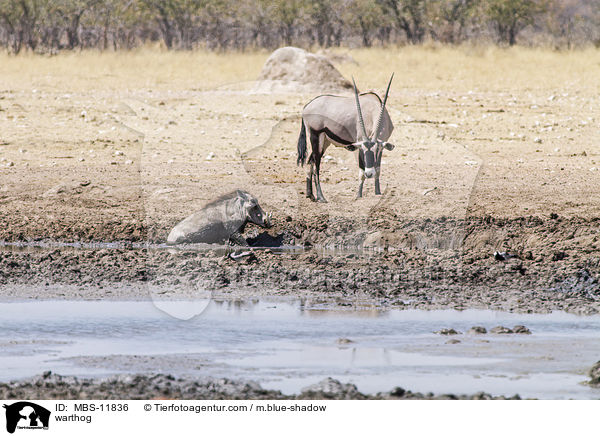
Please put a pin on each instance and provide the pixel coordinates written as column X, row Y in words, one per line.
column 330, row 388
column 342, row 341
column 521, row 329
column 397, row 392
column 249, row 255
column 580, row 283
column 447, row 332
column 595, row 375
column 374, row 240
column 453, row 341
column 291, row 69
column 558, row 255
column 337, row 57
column 501, row 256
column 71, row 188
column 477, row 330
column 500, row 330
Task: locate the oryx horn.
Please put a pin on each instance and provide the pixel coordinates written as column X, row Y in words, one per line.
column 379, row 125
column 360, row 117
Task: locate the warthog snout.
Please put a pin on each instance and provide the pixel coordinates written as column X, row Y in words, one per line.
column 267, row 222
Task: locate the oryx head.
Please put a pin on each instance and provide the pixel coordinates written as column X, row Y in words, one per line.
column 371, row 148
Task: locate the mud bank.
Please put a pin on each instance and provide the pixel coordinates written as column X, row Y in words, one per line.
column 550, row 264
column 50, row 386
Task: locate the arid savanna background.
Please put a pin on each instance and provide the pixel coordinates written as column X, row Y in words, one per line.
column 120, row 119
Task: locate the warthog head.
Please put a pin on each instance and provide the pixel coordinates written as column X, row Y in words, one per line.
column 254, row 212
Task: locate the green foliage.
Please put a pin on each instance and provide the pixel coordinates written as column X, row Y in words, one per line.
column 410, row 16
column 22, row 21
column 52, row 25
column 451, row 17
column 510, row 16
column 366, row 16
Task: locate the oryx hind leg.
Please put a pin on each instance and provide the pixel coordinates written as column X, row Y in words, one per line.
column 319, row 144
column 309, row 177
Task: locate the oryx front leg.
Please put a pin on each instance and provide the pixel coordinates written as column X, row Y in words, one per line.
column 320, row 196
column 361, row 177
column 377, row 187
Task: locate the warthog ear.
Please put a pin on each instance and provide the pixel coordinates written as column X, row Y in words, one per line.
column 388, row 146
column 352, row 147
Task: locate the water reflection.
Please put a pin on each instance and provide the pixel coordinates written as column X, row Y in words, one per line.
column 286, row 344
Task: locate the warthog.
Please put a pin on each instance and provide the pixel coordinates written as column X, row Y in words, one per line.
column 221, row 221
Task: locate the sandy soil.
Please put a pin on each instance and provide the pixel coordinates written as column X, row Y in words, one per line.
column 495, row 151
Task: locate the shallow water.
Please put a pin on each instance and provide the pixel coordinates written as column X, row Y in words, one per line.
column 217, row 249
column 286, row 346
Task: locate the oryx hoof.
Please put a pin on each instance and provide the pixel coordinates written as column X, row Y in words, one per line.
column 321, row 200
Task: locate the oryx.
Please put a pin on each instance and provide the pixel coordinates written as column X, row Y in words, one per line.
column 332, row 119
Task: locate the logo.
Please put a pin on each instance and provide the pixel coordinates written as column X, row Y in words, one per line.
column 26, row 415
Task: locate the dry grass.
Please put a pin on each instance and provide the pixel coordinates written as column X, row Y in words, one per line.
column 450, row 68
column 143, row 68
column 478, row 68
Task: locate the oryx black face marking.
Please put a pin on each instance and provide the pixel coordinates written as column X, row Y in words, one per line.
column 359, row 122
column 369, row 159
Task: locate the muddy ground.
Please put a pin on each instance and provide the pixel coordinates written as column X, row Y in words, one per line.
column 559, row 272
column 165, row 387
column 489, row 157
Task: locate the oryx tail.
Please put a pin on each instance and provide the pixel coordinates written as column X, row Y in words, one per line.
column 302, row 145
